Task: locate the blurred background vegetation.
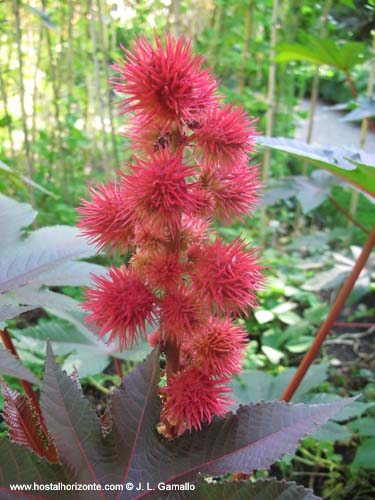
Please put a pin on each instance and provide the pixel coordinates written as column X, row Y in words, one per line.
column 285, row 61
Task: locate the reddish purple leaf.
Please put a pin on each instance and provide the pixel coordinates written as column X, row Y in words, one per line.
column 10, row 365
column 264, row 489
column 19, row 465
column 24, row 425
column 134, row 452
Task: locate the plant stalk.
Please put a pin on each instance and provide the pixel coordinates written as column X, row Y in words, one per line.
column 29, row 162
column 27, row 387
column 348, row 215
column 172, row 353
column 245, row 52
column 329, row 322
column 100, row 101
column 344, row 324
column 118, row 367
column 270, row 111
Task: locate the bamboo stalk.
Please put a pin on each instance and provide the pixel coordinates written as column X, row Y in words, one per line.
column 315, row 85
column 4, row 98
column 56, row 132
column 270, row 111
column 177, row 18
column 103, row 42
column 217, row 23
column 313, row 101
column 29, row 162
column 69, row 58
column 35, row 86
column 99, row 96
column 245, row 53
column 331, row 319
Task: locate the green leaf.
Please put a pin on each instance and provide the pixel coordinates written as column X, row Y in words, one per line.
column 274, row 355
column 355, row 409
column 44, row 17
column 365, row 109
column 315, row 315
column 299, row 345
column 322, row 51
column 332, row 431
column 252, row 385
column 85, row 352
column 289, row 318
column 365, row 455
column 263, row 316
column 353, row 166
column 363, row 426
column 15, row 175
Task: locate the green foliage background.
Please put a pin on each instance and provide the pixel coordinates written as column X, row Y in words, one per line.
column 60, row 129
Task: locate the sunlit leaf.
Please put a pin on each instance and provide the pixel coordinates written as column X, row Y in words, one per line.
column 349, row 165
column 322, row 51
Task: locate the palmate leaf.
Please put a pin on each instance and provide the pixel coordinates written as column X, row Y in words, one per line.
column 13, row 217
column 20, row 466
column 310, row 191
column 245, row 490
column 83, row 351
column 324, row 52
column 9, row 365
column 353, row 166
column 133, row 451
column 45, row 257
column 365, row 108
column 24, row 426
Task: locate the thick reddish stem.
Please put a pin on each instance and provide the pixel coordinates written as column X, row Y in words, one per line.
column 118, row 367
column 352, row 324
column 27, row 387
column 172, row 353
column 333, row 315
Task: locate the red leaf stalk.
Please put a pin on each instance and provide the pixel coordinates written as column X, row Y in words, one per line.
column 50, row 452
column 118, row 367
column 332, row 317
column 27, row 387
